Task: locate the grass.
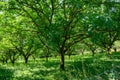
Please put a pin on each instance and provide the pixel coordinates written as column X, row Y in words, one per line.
column 78, row 67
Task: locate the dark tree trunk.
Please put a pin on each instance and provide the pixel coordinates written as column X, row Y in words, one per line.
column 55, row 56
column 6, row 60
column 62, row 61
column 82, row 53
column 93, row 53
column 12, row 59
column 3, row 61
column 13, row 62
column 47, row 54
column 46, row 58
column 26, row 59
column 109, row 52
column 69, row 55
column 115, row 49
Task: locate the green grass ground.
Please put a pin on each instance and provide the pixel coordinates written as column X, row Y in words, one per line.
column 78, row 67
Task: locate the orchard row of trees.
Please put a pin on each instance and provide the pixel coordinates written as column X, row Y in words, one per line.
column 31, row 27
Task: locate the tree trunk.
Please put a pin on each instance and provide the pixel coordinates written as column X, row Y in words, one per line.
column 109, row 52
column 82, row 51
column 34, row 58
column 93, row 53
column 62, row 61
column 55, row 56
column 13, row 62
column 83, row 68
column 46, row 58
column 6, row 60
column 115, row 49
column 69, row 55
column 26, row 59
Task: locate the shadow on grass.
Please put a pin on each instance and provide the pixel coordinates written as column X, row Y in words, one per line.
column 6, row 74
column 50, row 64
column 47, row 71
column 94, row 69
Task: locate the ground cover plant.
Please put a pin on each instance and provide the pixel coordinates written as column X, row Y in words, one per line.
column 79, row 67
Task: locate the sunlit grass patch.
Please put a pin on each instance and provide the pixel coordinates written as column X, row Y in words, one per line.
column 78, row 67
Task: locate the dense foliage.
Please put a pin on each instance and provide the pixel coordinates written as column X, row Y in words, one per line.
column 44, row 28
